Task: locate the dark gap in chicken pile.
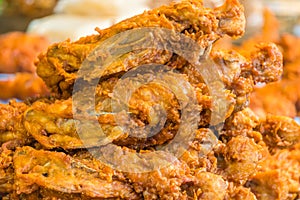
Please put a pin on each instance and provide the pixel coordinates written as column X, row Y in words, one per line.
column 42, row 156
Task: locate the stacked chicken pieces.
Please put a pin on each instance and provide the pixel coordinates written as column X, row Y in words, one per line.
column 241, row 157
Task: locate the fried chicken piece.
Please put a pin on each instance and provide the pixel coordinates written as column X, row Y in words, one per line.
column 19, row 51
column 59, row 65
column 46, row 128
column 11, row 123
column 23, row 86
column 286, row 103
column 278, row 177
column 46, row 194
column 286, row 92
column 208, row 186
column 18, row 54
column 6, row 170
column 208, row 168
column 87, row 176
column 268, row 33
column 240, row 74
column 280, row 132
column 202, row 144
column 56, row 127
column 46, row 170
column 240, row 158
column 240, row 193
column 33, row 9
column 242, row 123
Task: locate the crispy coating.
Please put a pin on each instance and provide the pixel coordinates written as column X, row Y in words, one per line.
column 19, row 51
column 280, row 132
column 240, row 74
column 278, row 177
column 244, row 158
column 58, row 66
column 53, row 126
column 280, row 98
column 6, row 170
column 93, row 180
column 11, row 124
column 240, row 158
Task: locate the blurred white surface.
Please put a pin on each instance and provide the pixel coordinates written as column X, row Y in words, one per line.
column 288, row 14
column 4, row 77
column 60, row 27
column 101, row 8
column 77, row 18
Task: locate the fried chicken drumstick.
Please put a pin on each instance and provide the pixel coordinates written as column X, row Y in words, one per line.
column 43, row 156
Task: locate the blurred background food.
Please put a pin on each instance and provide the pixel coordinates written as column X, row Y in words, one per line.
column 19, row 50
column 18, row 77
column 17, row 14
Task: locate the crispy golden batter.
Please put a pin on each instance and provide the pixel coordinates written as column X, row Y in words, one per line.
column 59, row 65
column 280, row 132
column 11, row 123
column 6, row 170
column 278, row 177
column 52, row 123
column 235, row 160
column 91, row 179
column 280, row 98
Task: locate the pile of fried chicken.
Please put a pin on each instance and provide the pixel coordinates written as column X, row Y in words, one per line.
column 42, row 156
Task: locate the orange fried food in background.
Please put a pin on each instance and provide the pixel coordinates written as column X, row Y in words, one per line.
column 18, row 54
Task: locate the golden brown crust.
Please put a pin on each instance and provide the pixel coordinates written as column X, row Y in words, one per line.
column 59, row 65
column 240, row 164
